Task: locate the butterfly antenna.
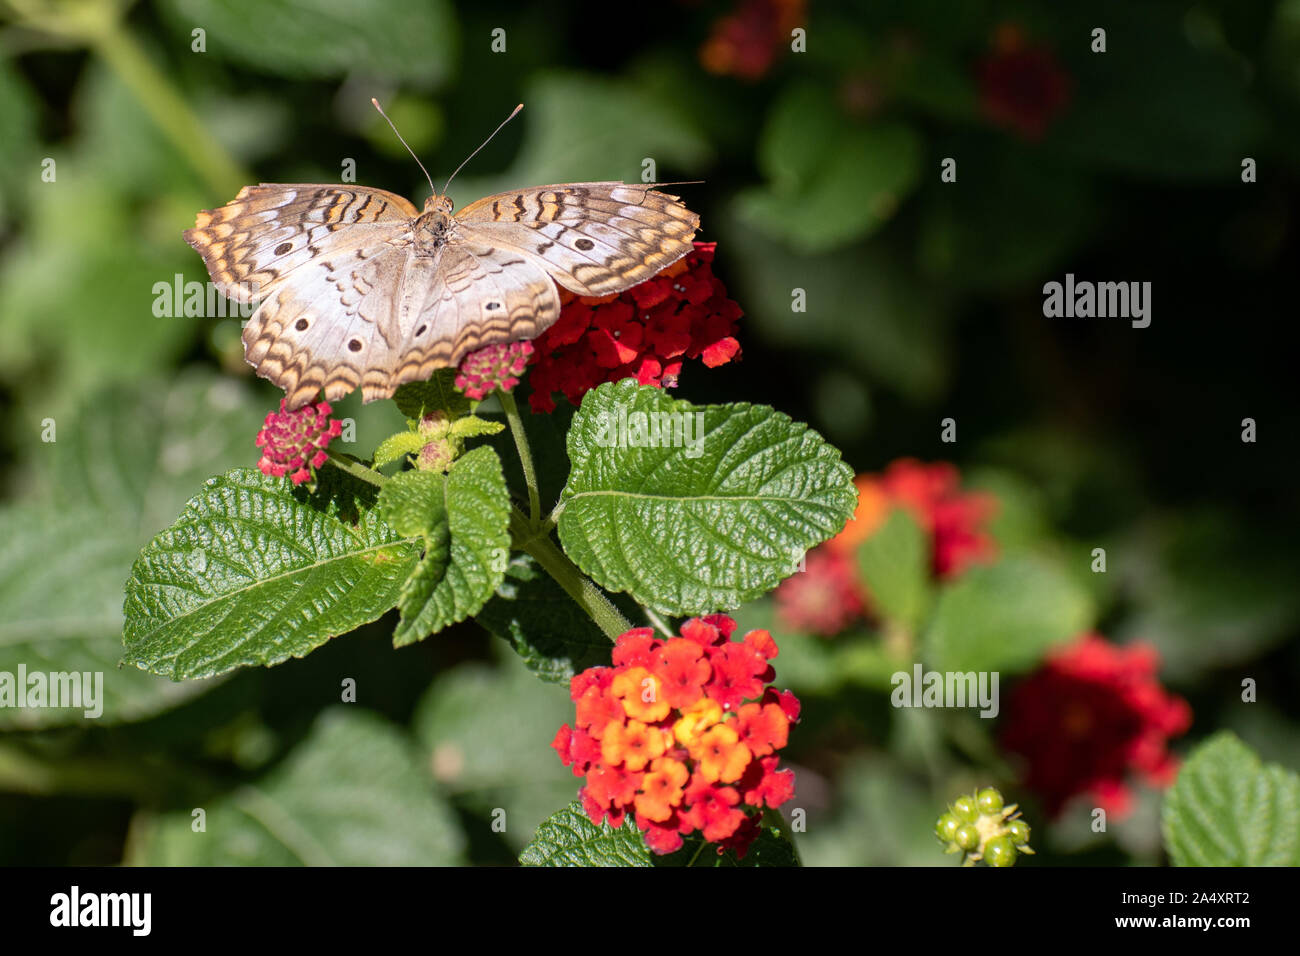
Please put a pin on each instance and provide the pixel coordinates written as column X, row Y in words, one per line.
column 374, row 102
column 484, row 143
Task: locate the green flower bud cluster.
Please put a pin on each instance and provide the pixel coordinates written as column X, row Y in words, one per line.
column 984, row 830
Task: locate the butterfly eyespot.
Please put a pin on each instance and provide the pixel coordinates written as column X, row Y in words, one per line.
column 355, row 345
column 301, row 325
column 492, row 306
column 421, row 330
column 283, row 247
column 585, row 244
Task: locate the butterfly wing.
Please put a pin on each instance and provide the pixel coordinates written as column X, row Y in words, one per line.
column 592, row 238
column 259, row 238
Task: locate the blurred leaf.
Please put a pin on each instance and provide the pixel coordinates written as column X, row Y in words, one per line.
column 895, row 563
column 829, row 182
column 61, row 611
column 696, row 529
column 552, row 635
column 250, row 574
column 1004, row 617
column 399, row 40
column 583, row 127
column 862, row 306
column 1229, row 809
column 463, row 518
column 18, row 143
column 140, row 451
column 351, row 794
column 487, row 733
column 1208, row 592
column 417, row 399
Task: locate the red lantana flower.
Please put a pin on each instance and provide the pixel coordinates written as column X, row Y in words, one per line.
column 294, row 442
column 828, row 595
column 493, row 367
column 1093, row 714
column 747, row 42
column 645, row 332
column 683, row 734
column 1022, row 87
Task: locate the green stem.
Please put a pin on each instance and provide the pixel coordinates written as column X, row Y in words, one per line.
column 356, row 469
column 659, row 623
column 525, row 455
column 556, row 563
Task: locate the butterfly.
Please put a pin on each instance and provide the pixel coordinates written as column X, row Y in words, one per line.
column 359, row 289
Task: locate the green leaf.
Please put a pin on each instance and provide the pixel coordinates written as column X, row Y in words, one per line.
column 61, row 612
column 471, row 426
column 252, row 574
column 830, row 182
column 1004, row 617
column 553, row 636
column 438, row 394
column 568, row 838
column 386, row 39
column 395, row 446
column 1228, row 808
column 487, row 733
column 699, row 525
column 464, row 520
column 353, row 793
column 895, row 563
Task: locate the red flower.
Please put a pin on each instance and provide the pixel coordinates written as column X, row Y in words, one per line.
column 493, row 367
column 1091, row 715
column 294, row 442
column 825, row 597
column 1021, row 87
column 644, row 332
column 746, row 42
column 673, row 725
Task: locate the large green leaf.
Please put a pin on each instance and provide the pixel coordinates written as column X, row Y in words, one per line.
column 1004, row 617
column 353, row 793
column 253, row 574
column 1228, row 808
column 487, row 733
column 463, row 518
column 546, row 627
column 392, row 39
column 700, row 525
column 61, row 612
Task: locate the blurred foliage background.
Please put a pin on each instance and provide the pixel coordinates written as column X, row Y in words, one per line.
column 821, row 172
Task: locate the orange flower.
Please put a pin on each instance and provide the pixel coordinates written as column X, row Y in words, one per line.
column 634, row 745
column 642, row 695
column 695, row 720
column 721, row 755
column 661, row 789
column 763, row 728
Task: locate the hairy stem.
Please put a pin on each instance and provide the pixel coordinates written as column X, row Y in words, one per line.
column 525, row 455
column 356, row 469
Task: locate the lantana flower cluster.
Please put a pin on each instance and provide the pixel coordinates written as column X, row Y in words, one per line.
column 1093, row 714
column 683, row 734
column 645, row 332
column 829, row 595
column 294, row 442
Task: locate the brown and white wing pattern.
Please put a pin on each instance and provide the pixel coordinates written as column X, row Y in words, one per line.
column 592, row 238
column 255, row 241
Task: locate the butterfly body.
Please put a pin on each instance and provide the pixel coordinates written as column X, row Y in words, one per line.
column 359, row 289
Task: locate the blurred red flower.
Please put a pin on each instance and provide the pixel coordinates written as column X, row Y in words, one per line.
column 1022, row 86
column 746, row 42
column 1094, row 713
